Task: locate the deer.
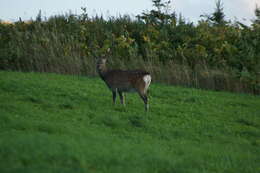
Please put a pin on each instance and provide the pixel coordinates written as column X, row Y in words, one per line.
column 121, row 81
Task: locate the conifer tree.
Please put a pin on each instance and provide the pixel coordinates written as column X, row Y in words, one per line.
column 218, row 16
column 257, row 14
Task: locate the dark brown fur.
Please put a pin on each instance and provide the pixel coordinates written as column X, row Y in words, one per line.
column 120, row 81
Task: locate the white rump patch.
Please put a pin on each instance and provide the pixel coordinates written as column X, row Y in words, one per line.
column 147, row 79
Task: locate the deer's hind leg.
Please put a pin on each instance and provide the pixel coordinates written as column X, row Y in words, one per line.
column 145, row 99
column 142, row 89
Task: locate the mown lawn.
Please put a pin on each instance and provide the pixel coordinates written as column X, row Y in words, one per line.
column 57, row 123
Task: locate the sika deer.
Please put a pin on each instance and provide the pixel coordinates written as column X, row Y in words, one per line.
column 120, row 81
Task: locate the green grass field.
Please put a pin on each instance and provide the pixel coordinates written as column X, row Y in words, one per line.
column 57, row 123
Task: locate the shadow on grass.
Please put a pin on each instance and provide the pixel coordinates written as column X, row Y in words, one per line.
column 137, row 121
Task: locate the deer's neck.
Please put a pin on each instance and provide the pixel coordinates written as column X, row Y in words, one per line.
column 102, row 69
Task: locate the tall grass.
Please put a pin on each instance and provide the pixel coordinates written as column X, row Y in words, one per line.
column 201, row 56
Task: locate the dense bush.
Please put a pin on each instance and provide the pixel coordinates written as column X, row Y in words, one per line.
column 213, row 54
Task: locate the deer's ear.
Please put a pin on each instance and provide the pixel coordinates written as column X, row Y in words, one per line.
column 108, row 50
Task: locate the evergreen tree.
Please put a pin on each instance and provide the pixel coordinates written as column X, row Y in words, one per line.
column 218, row 16
column 161, row 15
column 257, row 14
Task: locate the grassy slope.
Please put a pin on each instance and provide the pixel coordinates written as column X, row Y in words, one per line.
column 55, row 123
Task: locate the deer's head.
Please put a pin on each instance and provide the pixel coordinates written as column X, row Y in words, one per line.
column 103, row 58
column 101, row 62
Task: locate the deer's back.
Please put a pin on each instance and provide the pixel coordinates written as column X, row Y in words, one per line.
column 127, row 80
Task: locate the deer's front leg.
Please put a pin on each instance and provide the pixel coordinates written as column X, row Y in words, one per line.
column 121, row 95
column 114, row 97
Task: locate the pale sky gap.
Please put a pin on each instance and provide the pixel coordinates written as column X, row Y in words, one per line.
column 11, row 10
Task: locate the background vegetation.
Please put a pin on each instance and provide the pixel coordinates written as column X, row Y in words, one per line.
column 213, row 54
column 54, row 123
